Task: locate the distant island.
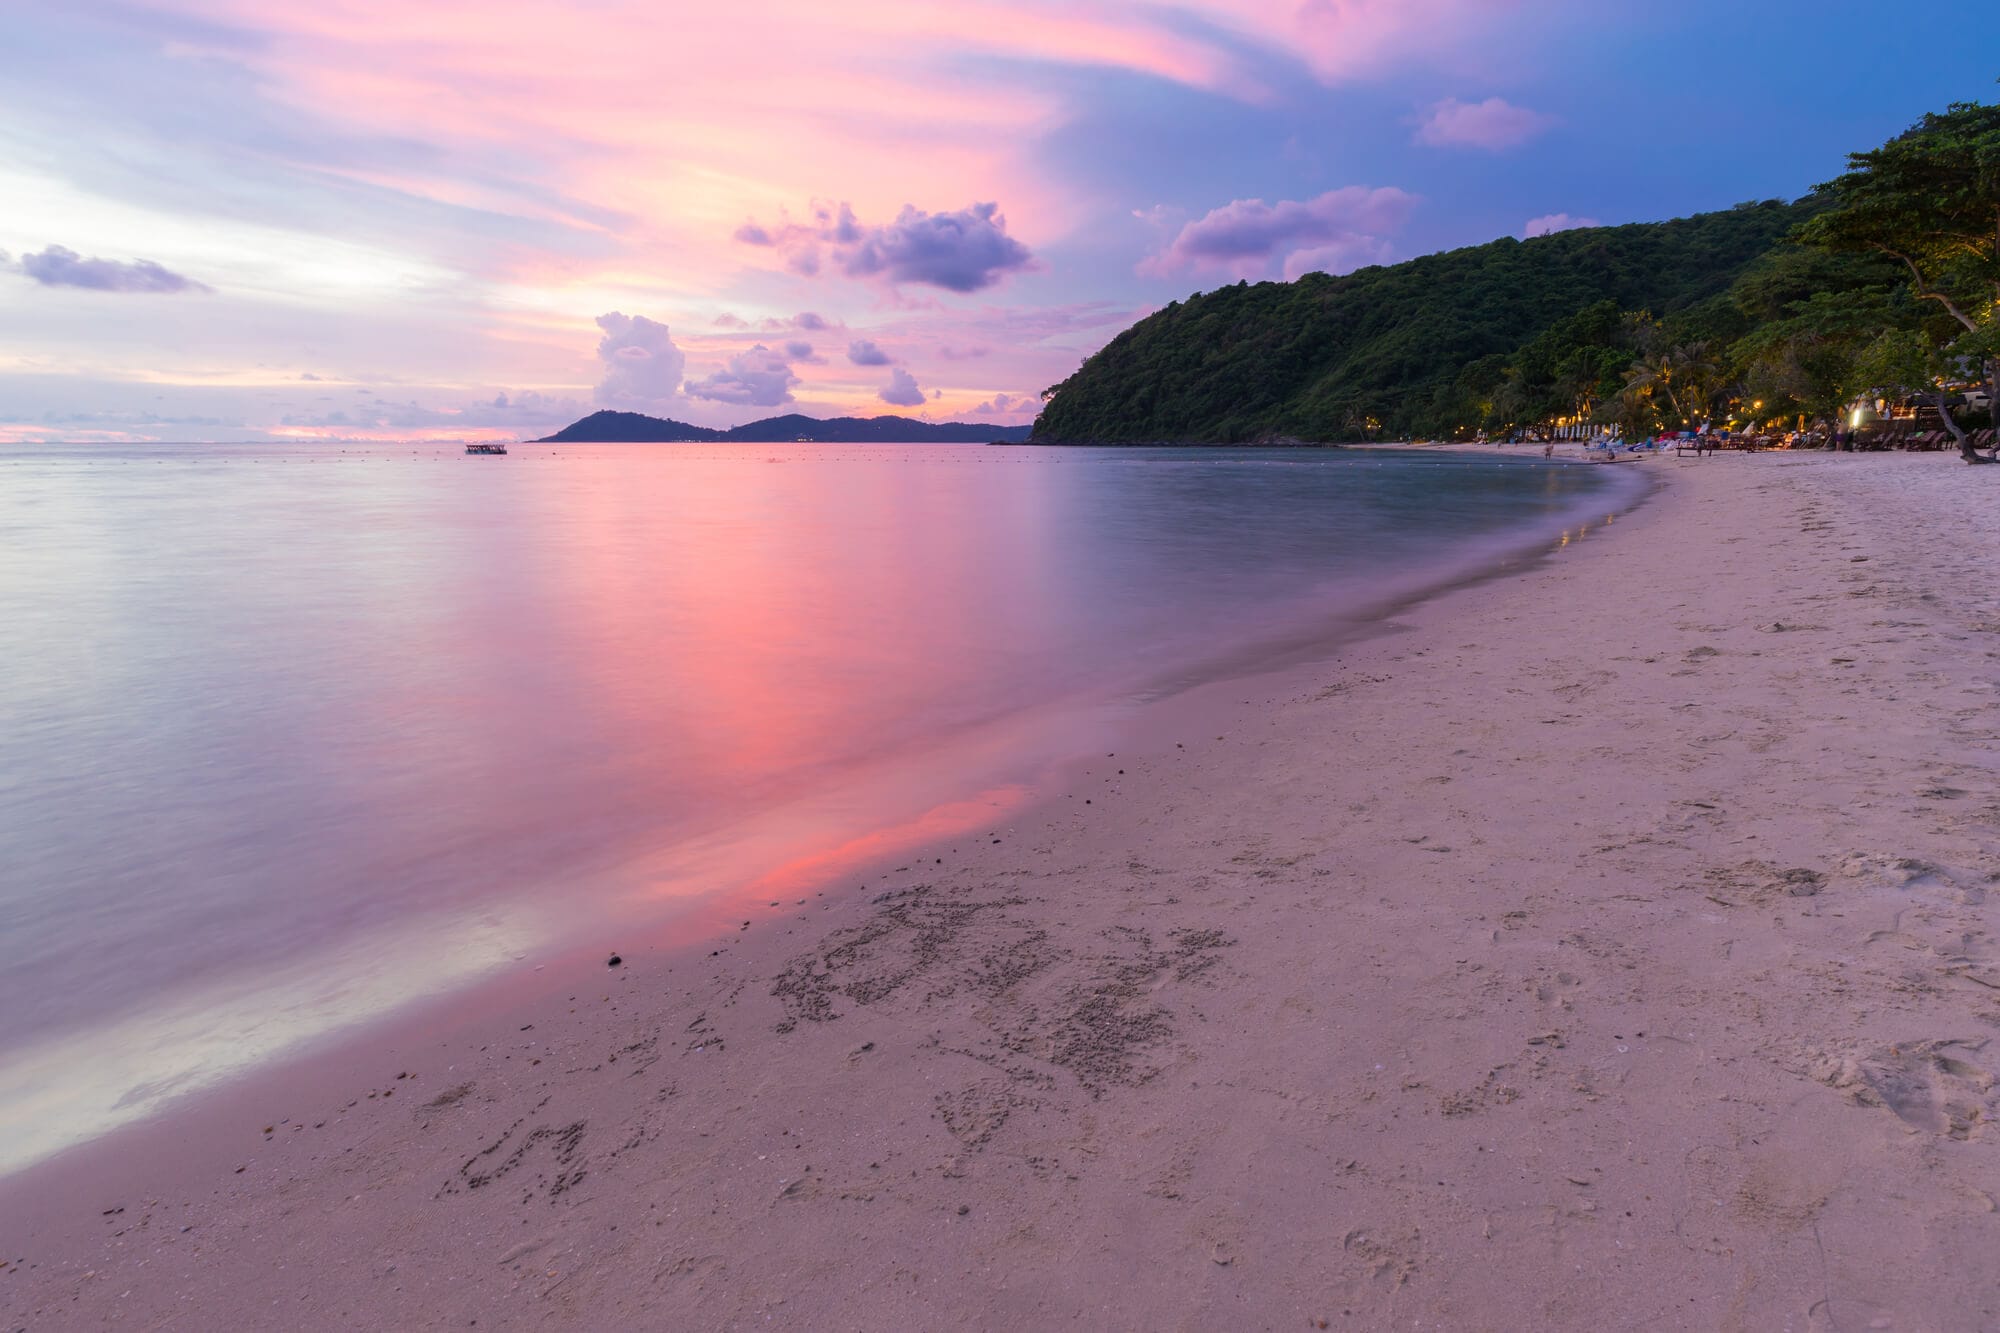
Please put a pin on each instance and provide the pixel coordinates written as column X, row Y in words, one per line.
column 636, row 428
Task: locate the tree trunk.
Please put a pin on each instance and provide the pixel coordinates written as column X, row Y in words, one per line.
column 1993, row 408
column 1965, row 449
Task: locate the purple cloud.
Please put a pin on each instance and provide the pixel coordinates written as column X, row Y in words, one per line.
column 800, row 350
column 59, row 266
column 1341, row 227
column 1550, row 223
column 842, row 228
column 963, row 251
column 902, row 390
column 641, row 366
column 960, row 252
column 725, row 320
column 1491, row 124
column 809, row 321
column 1007, row 405
column 863, row 352
column 759, row 377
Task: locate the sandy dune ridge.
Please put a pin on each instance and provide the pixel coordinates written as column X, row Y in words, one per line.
column 1609, row 945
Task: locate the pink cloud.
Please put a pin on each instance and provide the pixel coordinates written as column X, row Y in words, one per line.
column 1550, row 223
column 1336, row 231
column 1492, row 124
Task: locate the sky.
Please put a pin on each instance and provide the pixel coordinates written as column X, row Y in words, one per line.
column 443, row 219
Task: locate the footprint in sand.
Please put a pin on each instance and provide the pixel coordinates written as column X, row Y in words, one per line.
column 1933, row 1085
column 1912, row 875
column 1556, row 988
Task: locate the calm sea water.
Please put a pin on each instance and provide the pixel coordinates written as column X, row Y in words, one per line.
column 291, row 736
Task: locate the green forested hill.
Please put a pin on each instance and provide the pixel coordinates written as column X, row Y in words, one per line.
column 1504, row 333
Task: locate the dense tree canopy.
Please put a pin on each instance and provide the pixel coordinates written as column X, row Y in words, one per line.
column 1929, row 202
column 1765, row 312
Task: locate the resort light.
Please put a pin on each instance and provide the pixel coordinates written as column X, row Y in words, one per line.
column 1854, row 419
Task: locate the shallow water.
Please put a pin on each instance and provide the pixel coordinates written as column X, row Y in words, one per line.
column 293, row 736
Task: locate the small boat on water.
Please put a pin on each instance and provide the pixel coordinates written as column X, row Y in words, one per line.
column 486, row 448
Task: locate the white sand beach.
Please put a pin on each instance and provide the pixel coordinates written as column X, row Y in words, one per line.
column 1606, row 945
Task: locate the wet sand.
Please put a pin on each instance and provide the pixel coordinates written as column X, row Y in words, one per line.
column 1607, row 946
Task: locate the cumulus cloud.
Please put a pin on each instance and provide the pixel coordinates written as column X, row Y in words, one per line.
column 308, row 375
column 963, row 251
column 902, row 390
column 802, row 351
column 1007, row 405
column 863, row 352
column 960, row 252
column 725, row 320
column 759, row 377
column 60, row 266
column 809, row 321
column 1492, row 124
column 1337, row 231
column 1550, row 223
column 642, row 369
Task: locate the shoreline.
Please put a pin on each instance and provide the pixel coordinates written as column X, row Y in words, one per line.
column 1341, row 1014
column 1003, row 766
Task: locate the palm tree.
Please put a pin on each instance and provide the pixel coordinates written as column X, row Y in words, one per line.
column 1688, row 375
column 1652, row 377
column 1697, row 379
